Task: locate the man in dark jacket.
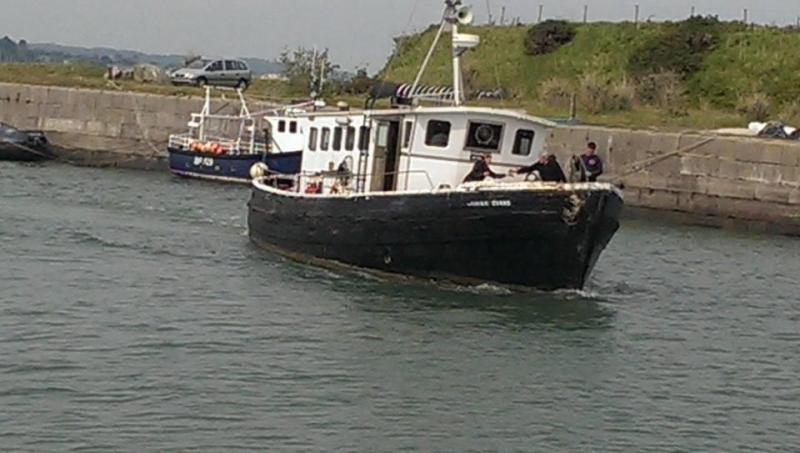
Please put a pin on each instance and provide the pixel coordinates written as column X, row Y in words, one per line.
column 548, row 168
column 480, row 170
column 590, row 166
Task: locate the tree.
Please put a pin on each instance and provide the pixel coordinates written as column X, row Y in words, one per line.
column 307, row 68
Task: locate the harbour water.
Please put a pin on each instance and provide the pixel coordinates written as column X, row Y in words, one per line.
column 136, row 316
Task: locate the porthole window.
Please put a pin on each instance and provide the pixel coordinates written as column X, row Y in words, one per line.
column 523, row 143
column 437, row 134
column 484, row 136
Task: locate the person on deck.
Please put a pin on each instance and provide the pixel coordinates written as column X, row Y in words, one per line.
column 589, row 166
column 548, row 168
column 480, row 170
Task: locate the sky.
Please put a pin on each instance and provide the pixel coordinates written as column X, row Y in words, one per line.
column 357, row 32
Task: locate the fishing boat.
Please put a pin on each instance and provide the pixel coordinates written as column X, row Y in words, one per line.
column 383, row 190
column 23, row 146
column 225, row 147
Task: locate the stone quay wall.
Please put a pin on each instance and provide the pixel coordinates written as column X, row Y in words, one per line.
column 717, row 179
column 724, row 179
column 94, row 127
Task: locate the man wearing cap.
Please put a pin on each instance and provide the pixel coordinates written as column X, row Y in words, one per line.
column 548, row 168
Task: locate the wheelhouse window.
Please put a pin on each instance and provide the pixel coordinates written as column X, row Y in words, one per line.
column 350, row 138
column 484, row 136
column 312, row 139
column 363, row 138
column 293, row 127
column 281, row 126
column 382, row 136
column 337, row 139
column 407, row 134
column 523, row 143
column 325, row 142
column 437, row 133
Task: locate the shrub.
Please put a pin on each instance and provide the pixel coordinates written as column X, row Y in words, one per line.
column 592, row 92
column 681, row 48
column 556, row 92
column 664, row 90
column 597, row 94
column 790, row 114
column 548, row 36
column 755, row 107
column 621, row 96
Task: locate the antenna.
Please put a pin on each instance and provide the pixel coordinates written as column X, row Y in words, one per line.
column 454, row 14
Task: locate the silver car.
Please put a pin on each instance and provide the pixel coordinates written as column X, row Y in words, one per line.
column 217, row 72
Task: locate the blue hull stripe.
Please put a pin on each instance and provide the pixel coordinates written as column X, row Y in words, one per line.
column 230, row 168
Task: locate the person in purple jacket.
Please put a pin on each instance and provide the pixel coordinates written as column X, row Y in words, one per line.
column 589, row 166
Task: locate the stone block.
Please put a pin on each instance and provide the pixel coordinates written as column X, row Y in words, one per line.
column 94, row 127
column 703, row 204
column 130, row 131
column 62, row 125
column 794, row 197
column 699, row 165
column 773, row 174
column 683, row 184
column 730, row 169
column 121, row 101
column 659, row 199
column 728, row 188
column 773, row 193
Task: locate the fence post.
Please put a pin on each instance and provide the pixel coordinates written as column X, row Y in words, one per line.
column 573, row 106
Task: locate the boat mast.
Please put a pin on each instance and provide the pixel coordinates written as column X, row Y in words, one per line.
column 204, row 113
column 454, row 14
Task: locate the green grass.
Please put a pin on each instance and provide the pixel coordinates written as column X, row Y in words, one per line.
column 88, row 76
column 759, row 59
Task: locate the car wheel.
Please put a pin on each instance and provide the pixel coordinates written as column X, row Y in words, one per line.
column 201, row 82
column 242, row 84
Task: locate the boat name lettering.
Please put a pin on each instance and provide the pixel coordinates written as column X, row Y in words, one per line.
column 489, row 204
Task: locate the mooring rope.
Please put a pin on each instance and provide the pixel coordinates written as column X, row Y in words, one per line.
column 644, row 164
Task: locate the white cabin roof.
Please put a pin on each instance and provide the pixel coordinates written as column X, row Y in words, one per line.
column 447, row 110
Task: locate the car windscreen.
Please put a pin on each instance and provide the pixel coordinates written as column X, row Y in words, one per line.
column 198, row 64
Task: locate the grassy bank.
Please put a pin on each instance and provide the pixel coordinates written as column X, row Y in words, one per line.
column 743, row 66
column 88, row 76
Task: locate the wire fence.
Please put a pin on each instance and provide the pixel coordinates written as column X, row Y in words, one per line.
column 498, row 15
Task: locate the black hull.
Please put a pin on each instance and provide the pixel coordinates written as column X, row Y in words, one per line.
column 546, row 239
column 9, row 152
column 23, row 146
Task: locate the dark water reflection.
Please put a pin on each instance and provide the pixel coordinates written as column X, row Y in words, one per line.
column 136, row 316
